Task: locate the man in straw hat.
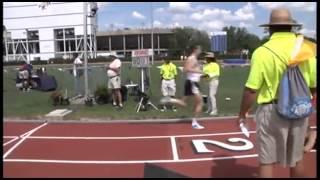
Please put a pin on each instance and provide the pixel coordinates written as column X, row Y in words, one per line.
column 278, row 140
column 212, row 72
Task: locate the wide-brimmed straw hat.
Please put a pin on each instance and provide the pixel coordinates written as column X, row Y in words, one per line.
column 280, row 17
column 209, row 55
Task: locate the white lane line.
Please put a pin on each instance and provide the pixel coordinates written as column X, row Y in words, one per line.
column 133, row 137
column 9, row 137
column 24, row 137
column 131, row 162
column 174, row 148
column 128, row 162
column 15, row 137
column 137, row 137
column 12, row 140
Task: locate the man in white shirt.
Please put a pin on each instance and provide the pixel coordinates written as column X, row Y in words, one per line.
column 191, row 87
column 76, row 74
column 114, row 80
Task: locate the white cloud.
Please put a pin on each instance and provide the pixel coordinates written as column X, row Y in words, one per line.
column 206, row 18
column 137, row 15
column 245, row 25
column 197, row 16
column 179, row 17
column 160, row 10
column 180, row 7
column 212, row 25
column 243, row 14
column 299, row 6
column 176, row 24
column 157, row 23
column 309, row 32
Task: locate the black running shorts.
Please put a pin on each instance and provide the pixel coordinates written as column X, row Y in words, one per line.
column 191, row 88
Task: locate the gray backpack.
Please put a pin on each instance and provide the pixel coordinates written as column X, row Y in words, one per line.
column 294, row 101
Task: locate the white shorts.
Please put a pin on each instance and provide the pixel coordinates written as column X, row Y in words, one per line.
column 114, row 82
column 23, row 74
column 168, row 87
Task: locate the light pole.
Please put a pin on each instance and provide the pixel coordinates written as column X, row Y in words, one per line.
column 28, row 58
column 152, row 57
column 6, row 42
column 85, row 11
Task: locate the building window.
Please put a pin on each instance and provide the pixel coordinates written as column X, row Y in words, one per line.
column 59, row 46
column 69, row 33
column 64, row 40
column 33, row 35
column 33, row 42
column 58, row 33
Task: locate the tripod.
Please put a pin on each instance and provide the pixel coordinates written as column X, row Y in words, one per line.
column 144, row 99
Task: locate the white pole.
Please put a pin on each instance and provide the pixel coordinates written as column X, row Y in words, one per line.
column 85, row 8
column 6, row 44
column 142, row 80
column 28, row 58
column 152, row 57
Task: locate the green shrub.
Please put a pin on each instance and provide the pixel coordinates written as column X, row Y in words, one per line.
column 101, row 95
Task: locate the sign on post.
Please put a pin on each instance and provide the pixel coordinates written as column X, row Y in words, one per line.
column 141, row 58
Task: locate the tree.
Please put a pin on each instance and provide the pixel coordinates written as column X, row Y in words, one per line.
column 184, row 38
column 240, row 38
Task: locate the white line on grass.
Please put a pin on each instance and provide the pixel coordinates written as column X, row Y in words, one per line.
column 174, row 148
column 24, row 137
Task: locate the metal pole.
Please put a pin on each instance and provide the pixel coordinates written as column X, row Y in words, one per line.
column 142, row 80
column 152, row 57
column 28, row 58
column 85, row 8
column 6, row 44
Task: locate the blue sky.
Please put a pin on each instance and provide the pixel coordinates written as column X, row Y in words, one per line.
column 208, row 16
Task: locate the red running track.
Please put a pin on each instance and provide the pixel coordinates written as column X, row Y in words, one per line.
column 130, row 150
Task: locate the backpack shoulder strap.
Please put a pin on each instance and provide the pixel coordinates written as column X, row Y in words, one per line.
column 275, row 54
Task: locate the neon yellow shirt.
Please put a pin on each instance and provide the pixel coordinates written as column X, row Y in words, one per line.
column 168, row 71
column 267, row 68
column 212, row 69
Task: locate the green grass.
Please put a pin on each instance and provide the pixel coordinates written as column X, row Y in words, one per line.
column 36, row 104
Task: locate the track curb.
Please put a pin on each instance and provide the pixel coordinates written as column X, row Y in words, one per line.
column 95, row 120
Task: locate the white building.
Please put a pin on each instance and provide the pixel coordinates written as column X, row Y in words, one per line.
column 52, row 32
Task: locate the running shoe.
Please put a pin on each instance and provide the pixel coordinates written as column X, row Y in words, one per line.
column 174, row 109
column 195, row 125
column 213, row 114
column 165, row 100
